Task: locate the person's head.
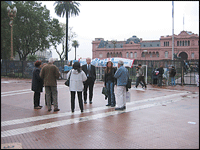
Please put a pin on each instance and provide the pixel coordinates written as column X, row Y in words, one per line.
column 38, row 63
column 88, row 60
column 161, row 66
column 76, row 66
column 109, row 66
column 51, row 60
column 139, row 65
column 173, row 67
column 120, row 63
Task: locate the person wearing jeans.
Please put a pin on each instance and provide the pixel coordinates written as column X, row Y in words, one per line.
column 109, row 82
column 172, row 74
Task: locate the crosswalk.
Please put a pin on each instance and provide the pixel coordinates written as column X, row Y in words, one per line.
column 95, row 113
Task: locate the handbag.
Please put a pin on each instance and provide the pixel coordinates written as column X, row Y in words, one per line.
column 105, row 91
column 68, row 80
column 129, row 83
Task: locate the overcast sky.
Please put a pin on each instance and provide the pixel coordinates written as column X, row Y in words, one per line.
column 121, row 20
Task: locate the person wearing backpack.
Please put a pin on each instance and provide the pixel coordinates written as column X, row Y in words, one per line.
column 172, row 74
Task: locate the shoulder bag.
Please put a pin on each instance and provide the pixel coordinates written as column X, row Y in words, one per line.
column 68, row 80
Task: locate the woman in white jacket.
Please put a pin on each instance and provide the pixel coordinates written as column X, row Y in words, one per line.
column 77, row 77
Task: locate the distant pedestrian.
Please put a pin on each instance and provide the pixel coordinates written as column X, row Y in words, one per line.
column 160, row 75
column 37, row 84
column 172, row 74
column 109, row 83
column 90, row 72
column 77, row 77
column 50, row 73
column 140, row 77
column 122, row 79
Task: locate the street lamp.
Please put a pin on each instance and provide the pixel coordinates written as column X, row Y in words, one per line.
column 11, row 15
column 114, row 42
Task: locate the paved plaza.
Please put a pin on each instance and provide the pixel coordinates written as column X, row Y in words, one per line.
column 155, row 118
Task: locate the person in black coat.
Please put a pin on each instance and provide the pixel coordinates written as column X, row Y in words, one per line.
column 90, row 72
column 160, row 75
column 37, row 84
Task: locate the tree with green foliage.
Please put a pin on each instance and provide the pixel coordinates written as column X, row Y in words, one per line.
column 67, row 8
column 32, row 57
column 33, row 30
column 75, row 44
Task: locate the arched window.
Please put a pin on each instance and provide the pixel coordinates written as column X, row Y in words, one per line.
column 135, row 55
column 185, row 43
column 188, row 43
column 150, row 54
column 127, row 55
column 180, row 43
column 164, row 43
column 131, row 54
column 120, row 54
column 157, row 54
column 143, row 55
column 177, row 43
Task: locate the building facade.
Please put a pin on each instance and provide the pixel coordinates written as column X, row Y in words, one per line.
column 186, row 46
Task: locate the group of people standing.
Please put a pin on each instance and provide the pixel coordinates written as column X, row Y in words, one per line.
column 81, row 78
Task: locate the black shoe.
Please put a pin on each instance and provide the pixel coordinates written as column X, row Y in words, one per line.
column 81, row 110
column 56, row 109
column 38, row 107
column 49, row 109
column 119, row 108
column 85, row 102
column 90, row 102
column 72, row 111
column 108, row 105
column 112, row 105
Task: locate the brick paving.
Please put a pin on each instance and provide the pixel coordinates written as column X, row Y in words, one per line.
column 160, row 118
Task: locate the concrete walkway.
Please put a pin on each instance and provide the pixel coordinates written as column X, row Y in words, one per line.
column 161, row 118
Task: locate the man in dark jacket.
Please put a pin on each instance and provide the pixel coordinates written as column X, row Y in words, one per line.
column 160, row 75
column 37, row 84
column 90, row 72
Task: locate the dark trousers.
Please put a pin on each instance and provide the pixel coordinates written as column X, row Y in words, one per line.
column 36, row 99
column 160, row 80
column 89, row 83
column 80, row 100
column 141, row 79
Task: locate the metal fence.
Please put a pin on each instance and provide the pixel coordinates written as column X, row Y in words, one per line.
column 23, row 69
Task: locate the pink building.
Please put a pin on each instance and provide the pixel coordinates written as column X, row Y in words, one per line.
column 186, row 46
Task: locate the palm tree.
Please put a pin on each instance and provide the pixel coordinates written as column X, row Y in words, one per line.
column 75, row 44
column 67, row 8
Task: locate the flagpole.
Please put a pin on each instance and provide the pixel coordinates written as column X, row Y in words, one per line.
column 172, row 30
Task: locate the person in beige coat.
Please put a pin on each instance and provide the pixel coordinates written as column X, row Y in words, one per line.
column 77, row 77
column 50, row 73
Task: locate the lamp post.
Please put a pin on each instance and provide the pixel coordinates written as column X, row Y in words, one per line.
column 114, row 42
column 11, row 15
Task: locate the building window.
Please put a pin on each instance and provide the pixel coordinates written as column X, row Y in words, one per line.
column 157, row 44
column 150, row 54
column 185, row 43
column 164, row 43
column 150, row 44
column 120, row 54
column 144, row 45
column 157, row 54
column 143, row 55
column 100, row 55
column 188, row 43
column 127, row 55
column 166, row 54
column 180, row 43
column 131, row 54
column 135, row 55
column 177, row 43
column 192, row 55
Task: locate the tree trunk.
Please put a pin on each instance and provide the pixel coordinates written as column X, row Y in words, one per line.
column 75, row 53
column 66, row 55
